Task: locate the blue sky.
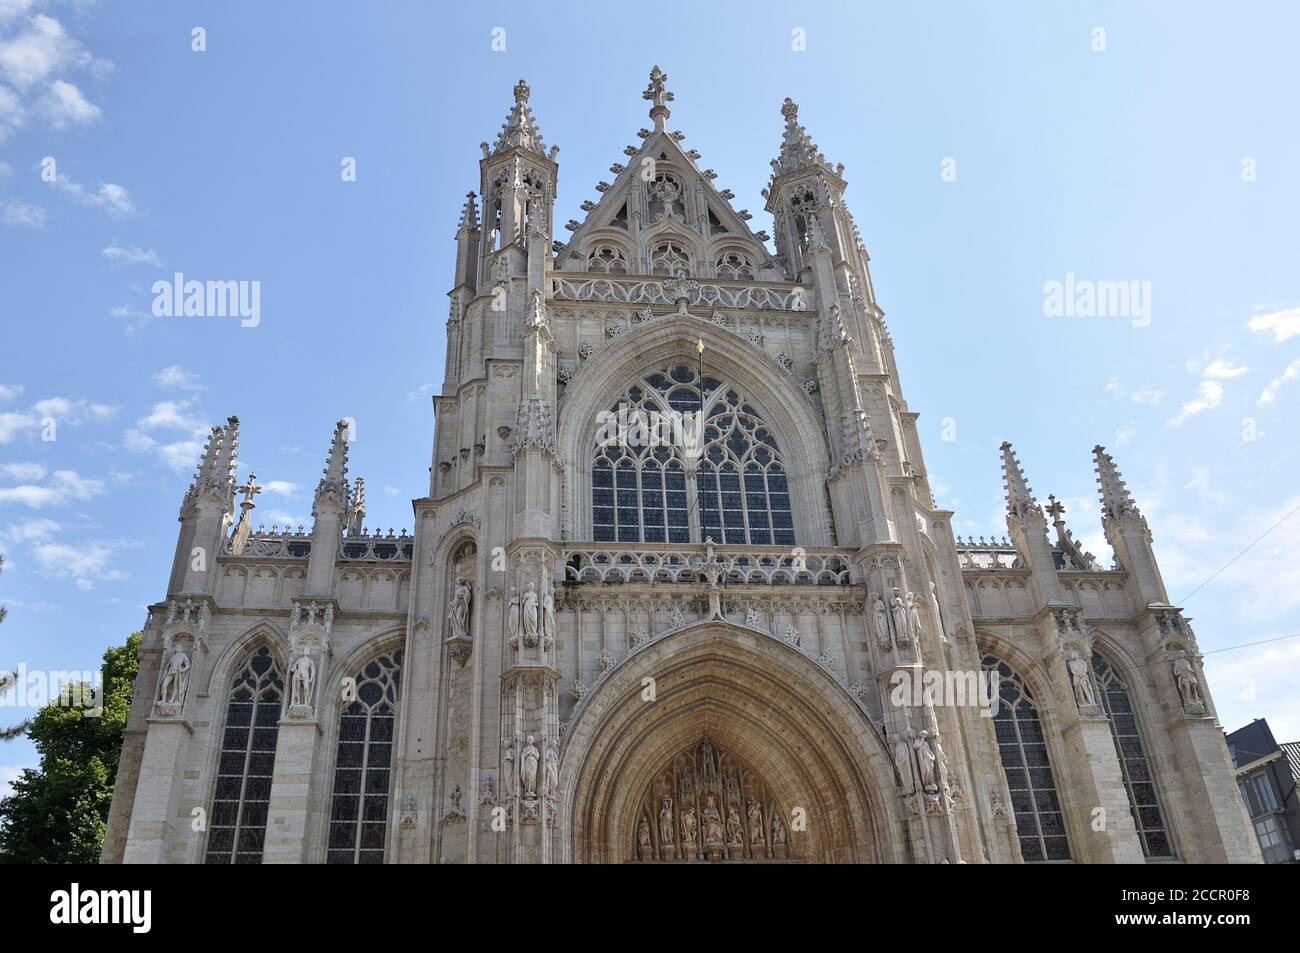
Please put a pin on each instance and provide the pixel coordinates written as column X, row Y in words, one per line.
column 1122, row 164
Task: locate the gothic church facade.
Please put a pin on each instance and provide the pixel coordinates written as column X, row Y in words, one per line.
column 678, row 555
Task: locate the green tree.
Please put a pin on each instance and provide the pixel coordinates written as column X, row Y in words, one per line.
column 58, row 811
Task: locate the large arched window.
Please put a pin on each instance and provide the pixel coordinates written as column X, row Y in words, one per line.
column 237, row 827
column 645, row 489
column 363, row 765
column 1040, row 823
column 1138, row 781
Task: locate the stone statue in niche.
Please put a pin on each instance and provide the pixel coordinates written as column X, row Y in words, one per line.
column 755, row 811
column 551, row 768
column 643, row 833
column 175, row 678
column 712, row 823
column 903, row 763
column 530, row 616
column 735, row 837
column 666, row 820
column 528, row 759
column 940, row 762
column 1189, row 686
column 509, row 784
column 548, row 616
column 938, row 615
column 512, row 619
column 1084, row 695
column 902, row 624
column 925, row 759
column 880, row 620
column 778, row 832
column 458, row 613
column 915, row 625
column 689, row 831
column 302, row 680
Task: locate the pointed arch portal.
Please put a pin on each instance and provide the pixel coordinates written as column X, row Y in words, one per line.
column 720, row 719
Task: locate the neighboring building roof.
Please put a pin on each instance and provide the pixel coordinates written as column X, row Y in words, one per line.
column 1251, row 743
column 1292, row 751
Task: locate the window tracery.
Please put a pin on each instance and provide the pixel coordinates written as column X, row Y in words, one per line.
column 237, row 826
column 358, row 826
column 1022, row 747
column 656, row 459
column 1139, row 782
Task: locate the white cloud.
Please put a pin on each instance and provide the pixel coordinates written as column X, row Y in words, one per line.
column 87, row 563
column 21, row 214
column 112, row 198
column 29, row 531
column 1146, row 394
column 13, row 8
column 177, row 377
column 73, row 411
column 1284, row 324
column 64, row 486
column 179, row 455
column 1209, row 396
column 13, row 423
column 22, row 471
column 131, row 255
column 63, row 105
column 170, row 414
column 42, row 49
column 1256, row 679
column 281, row 487
column 1125, row 435
column 1225, row 370
column 1270, row 392
column 10, row 391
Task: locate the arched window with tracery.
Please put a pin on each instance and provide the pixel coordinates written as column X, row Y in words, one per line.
column 1022, row 747
column 237, row 825
column 607, row 259
column 1133, row 765
column 666, row 198
column 734, row 265
column 363, row 763
column 644, row 488
column 671, row 259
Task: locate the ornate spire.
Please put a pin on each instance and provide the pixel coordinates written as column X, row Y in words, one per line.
column 215, row 477
column 333, row 487
column 468, row 214
column 798, row 151
column 1116, row 501
column 357, row 511
column 1021, row 505
column 520, row 128
column 659, row 96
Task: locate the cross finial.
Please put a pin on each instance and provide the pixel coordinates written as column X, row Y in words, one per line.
column 659, row 97
column 250, row 489
column 1055, row 508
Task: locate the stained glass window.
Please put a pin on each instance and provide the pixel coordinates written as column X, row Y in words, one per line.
column 1040, row 822
column 237, row 826
column 363, row 764
column 642, row 485
column 1138, row 780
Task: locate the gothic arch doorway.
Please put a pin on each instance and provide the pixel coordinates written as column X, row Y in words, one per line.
column 714, row 717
